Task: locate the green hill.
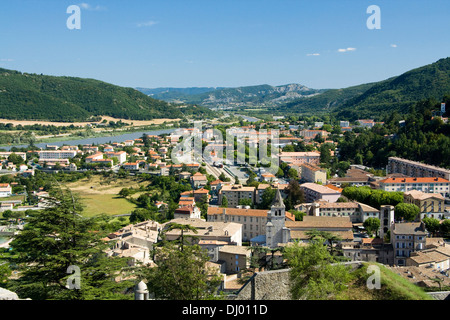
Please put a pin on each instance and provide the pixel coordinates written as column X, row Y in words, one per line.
column 400, row 93
column 374, row 100
column 26, row 96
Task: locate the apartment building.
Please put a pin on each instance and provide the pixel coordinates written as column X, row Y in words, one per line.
column 5, row 155
column 356, row 211
column 424, row 184
column 56, row 154
column 416, row 169
column 300, row 157
column 314, row 192
column 235, row 193
column 312, row 173
column 311, row 134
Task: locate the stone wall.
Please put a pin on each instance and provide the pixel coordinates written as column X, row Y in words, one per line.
column 442, row 295
column 271, row 285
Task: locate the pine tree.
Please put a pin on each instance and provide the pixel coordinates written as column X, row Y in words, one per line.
column 57, row 238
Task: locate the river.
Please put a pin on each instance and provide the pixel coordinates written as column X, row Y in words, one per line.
column 96, row 140
column 249, row 119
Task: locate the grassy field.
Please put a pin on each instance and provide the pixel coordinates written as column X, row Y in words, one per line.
column 100, row 195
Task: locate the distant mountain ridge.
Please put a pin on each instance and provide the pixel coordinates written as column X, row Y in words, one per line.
column 262, row 95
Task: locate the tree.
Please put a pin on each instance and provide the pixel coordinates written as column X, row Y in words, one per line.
column 224, row 202
column 55, row 239
column 125, row 192
column 406, row 211
column 245, row 202
column 183, row 228
column 444, row 228
column 140, row 214
column 312, row 274
column 372, row 225
column 267, row 198
column 432, row 225
column 295, row 195
column 292, row 173
column 182, row 275
column 326, row 237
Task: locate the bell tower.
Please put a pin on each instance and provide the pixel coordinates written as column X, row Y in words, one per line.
column 275, row 221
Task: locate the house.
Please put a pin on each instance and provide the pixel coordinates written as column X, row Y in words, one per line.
column 201, row 194
column 128, row 143
column 436, row 258
column 131, row 166
column 120, row 155
column 407, row 238
column 268, row 177
column 430, row 204
column 187, row 212
column 229, row 232
column 236, row 258
column 5, row 190
column 184, row 175
column 339, row 226
column 199, row 180
column 369, row 250
column 135, row 242
column 94, row 157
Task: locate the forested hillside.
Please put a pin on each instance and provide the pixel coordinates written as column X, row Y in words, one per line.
column 26, row 96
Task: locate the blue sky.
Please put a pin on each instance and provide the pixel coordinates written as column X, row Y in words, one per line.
column 230, row 43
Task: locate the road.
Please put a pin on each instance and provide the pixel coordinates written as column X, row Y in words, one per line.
column 216, row 172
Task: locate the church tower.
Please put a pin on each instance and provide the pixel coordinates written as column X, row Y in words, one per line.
column 275, row 222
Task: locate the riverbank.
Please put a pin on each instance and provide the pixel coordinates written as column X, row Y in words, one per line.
column 6, row 243
column 100, row 138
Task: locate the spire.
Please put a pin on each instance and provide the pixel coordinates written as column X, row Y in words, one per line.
column 278, row 200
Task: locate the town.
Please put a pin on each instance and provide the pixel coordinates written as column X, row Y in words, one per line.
column 243, row 216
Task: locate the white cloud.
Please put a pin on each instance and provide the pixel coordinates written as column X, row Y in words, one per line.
column 6, row 60
column 87, row 6
column 346, row 50
column 147, row 23
column 394, row 46
column 313, row 54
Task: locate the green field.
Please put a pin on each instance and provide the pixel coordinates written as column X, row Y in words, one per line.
column 95, row 204
column 100, row 196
